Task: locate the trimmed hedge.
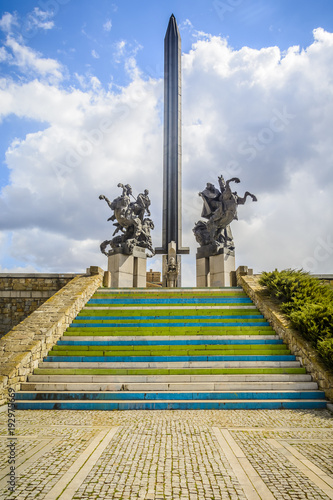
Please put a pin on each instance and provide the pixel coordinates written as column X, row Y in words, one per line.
column 308, row 303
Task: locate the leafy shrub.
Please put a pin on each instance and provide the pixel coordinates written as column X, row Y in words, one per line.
column 283, row 284
column 325, row 349
column 314, row 321
column 308, row 304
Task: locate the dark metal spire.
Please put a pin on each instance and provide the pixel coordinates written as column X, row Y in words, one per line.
column 172, row 157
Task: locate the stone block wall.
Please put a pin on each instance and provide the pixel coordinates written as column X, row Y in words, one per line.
column 22, row 294
column 297, row 344
column 27, row 343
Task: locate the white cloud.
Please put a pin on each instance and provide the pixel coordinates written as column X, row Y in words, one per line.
column 107, row 25
column 186, row 24
column 7, row 21
column 120, row 49
column 94, row 54
column 40, row 19
column 262, row 115
column 3, row 54
column 126, row 52
column 29, row 60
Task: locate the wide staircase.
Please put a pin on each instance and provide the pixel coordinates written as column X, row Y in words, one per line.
column 170, row 349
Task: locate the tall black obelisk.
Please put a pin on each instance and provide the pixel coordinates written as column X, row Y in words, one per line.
column 172, row 157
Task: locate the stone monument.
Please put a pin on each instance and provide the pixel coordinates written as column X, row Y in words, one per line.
column 127, row 252
column 172, row 158
column 215, row 259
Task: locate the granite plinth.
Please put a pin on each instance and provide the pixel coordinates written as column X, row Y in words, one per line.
column 215, row 270
column 128, row 270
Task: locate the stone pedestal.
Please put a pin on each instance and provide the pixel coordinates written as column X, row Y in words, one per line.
column 203, row 274
column 215, row 270
column 128, row 271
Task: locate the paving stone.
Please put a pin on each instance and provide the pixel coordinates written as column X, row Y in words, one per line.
column 169, row 455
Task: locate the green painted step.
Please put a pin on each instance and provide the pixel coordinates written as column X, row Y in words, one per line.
column 168, row 312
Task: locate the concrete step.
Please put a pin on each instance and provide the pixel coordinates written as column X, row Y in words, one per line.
column 156, row 316
column 173, row 405
column 171, row 324
column 224, row 378
column 173, row 350
column 168, row 395
column 167, row 364
column 166, row 307
column 183, row 318
column 158, row 291
column 170, row 332
column 167, row 351
column 205, row 339
column 170, row 361
column 73, row 386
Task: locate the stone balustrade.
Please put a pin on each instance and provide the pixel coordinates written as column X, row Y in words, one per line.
column 27, row 343
column 21, row 294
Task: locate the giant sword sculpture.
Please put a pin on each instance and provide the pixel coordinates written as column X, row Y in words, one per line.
column 172, row 158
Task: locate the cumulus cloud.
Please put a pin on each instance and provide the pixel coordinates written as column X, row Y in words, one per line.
column 261, row 115
column 3, row 54
column 126, row 52
column 29, row 60
column 107, row 25
column 40, row 19
column 7, row 21
column 26, row 28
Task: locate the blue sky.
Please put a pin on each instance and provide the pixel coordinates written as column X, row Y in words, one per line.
column 65, row 65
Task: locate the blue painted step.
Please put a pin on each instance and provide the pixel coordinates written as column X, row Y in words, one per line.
column 152, row 359
column 174, row 405
column 124, row 395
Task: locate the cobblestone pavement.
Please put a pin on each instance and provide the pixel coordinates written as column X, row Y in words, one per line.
column 155, row 455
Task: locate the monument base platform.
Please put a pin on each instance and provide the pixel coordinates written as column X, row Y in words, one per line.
column 216, row 270
column 128, row 271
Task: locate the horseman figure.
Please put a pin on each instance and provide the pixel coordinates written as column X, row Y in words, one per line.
column 220, row 208
column 131, row 222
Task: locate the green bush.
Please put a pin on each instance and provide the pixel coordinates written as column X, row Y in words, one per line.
column 314, row 321
column 283, row 284
column 325, row 349
column 308, row 304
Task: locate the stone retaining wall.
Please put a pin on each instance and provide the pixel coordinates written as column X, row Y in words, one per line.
column 29, row 341
column 297, row 344
column 22, row 294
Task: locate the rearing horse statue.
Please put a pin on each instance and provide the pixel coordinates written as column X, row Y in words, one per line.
column 220, row 208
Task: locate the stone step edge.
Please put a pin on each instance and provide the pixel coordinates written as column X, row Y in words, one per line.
column 175, row 364
column 46, row 387
column 169, row 290
column 157, row 338
column 164, row 307
column 168, row 395
column 251, row 378
column 147, row 401
column 300, row 404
